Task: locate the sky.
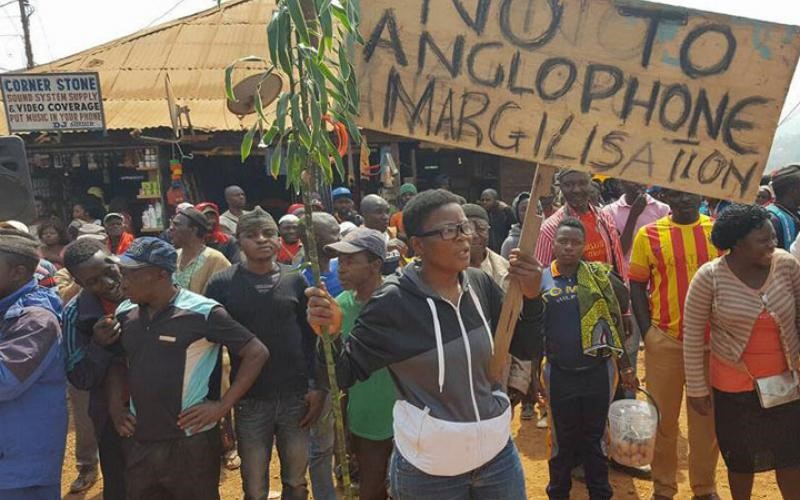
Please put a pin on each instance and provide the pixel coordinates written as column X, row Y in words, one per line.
column 63, row 27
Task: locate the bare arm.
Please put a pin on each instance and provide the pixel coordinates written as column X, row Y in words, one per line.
column 641, row 306
column 253, row 356
column 115, row 386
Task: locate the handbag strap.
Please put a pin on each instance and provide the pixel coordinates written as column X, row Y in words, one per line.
column 762, row 297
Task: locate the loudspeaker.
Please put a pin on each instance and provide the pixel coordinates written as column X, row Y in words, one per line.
column 16, row 191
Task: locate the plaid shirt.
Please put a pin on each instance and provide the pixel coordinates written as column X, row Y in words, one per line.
column 605, row 226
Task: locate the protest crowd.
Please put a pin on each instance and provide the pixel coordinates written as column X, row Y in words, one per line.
column 199, row 350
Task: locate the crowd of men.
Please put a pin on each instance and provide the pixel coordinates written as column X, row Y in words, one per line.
column 199, row 349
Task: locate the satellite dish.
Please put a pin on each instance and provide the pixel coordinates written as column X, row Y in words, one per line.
column 245, row 92
column 174, row 109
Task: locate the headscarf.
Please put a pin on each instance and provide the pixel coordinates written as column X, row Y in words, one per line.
column 294, row 208
column 215, row 235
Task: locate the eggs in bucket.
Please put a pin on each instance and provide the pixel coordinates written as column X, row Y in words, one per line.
column 632, row 429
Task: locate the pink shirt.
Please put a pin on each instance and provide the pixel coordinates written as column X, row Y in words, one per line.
column 620, row 210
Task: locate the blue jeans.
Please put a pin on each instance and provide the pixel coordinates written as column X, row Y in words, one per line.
column 499, row 479
column 320, row 455
column 260, row 423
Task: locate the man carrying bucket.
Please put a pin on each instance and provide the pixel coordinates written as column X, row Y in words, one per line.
column 583, row 348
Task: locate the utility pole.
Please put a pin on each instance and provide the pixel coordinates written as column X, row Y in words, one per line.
column 26, row 32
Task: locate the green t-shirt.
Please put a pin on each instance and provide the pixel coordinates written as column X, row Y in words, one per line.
column 369, row 403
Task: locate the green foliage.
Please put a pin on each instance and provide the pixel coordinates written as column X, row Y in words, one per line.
column 310, row 42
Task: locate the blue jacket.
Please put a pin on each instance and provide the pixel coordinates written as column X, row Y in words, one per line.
column 33, row 407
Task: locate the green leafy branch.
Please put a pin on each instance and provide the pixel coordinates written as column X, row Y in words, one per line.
column 310, row 42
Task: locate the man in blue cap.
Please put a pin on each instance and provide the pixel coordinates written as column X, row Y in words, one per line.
column 171, row 338
column 344, row 208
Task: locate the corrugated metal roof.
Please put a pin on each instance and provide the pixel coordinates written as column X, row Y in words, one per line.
column 193, row 50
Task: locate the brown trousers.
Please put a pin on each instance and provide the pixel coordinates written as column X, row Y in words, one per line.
column 665, row 382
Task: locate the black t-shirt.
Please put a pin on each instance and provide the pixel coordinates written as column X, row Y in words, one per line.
column 273, row 307
column 171, row 357
column 263, row 283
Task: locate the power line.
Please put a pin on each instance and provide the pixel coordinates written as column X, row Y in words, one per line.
column 165, row 14
column 44, row 35
column 789, row 114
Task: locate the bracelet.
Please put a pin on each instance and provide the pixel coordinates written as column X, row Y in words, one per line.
column 626, row 371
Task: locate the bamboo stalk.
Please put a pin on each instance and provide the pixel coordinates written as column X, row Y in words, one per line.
column 327, row 340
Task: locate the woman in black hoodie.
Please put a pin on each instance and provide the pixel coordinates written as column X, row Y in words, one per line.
column 433, row 326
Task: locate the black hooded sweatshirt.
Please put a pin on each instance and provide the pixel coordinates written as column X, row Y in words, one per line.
column 438, row 355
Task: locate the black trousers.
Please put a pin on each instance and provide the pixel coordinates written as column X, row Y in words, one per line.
column 578, row 425
column 112, row 462
column 180, row 469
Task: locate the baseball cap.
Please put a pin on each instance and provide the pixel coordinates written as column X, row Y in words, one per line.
column 149, row 251
column 341, row 192
column 359, row 240
column 113, row 215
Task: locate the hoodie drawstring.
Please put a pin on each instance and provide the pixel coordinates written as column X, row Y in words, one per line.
column 483, row 318
column 437, row 329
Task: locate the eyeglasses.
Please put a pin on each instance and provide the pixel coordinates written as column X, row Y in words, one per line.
column 450, row 231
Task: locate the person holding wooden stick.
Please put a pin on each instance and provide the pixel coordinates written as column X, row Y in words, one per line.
column 433, row 328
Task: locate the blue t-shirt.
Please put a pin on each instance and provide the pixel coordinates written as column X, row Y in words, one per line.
column 562, row 323
column 331, row 278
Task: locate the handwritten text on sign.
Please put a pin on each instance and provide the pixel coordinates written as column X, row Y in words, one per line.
column 636, row 90
column 56, row 101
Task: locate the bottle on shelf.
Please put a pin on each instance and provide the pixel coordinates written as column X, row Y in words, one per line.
column 145, row 219
column 159, row 215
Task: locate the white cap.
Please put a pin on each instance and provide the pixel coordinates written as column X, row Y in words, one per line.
column 183, row 206
column 19, row 226
column 345, row 227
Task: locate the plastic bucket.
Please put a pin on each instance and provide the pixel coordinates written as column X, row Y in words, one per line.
column 632, row 427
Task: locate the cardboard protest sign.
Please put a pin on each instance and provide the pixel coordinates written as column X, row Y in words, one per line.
column 641, row 91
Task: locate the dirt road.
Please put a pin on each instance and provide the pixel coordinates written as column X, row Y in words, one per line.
column 533, row 451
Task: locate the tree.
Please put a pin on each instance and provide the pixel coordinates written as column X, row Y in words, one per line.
column 310, row 41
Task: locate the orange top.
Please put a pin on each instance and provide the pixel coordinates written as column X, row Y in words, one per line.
column 595, row 249
column 763, row 357
column 396, row 221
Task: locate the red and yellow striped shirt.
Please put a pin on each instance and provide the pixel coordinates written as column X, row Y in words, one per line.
column 667, row 255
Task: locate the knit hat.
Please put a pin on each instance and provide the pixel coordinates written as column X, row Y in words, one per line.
column 408, row 188
column 19, row 243
column 475, row 211
column 256, row 217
